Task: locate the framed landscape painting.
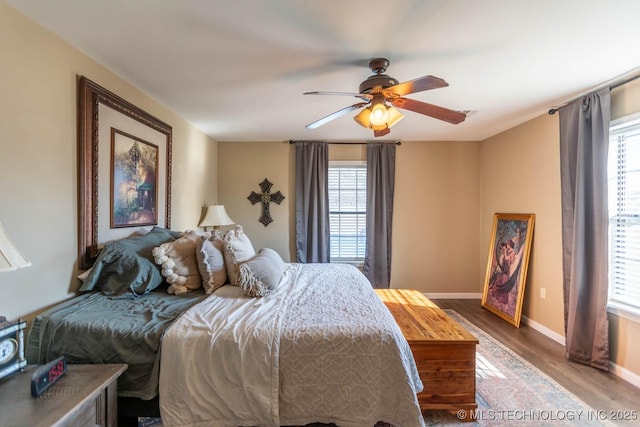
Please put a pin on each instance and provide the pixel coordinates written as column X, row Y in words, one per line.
column 134, row 181
column 509, row 251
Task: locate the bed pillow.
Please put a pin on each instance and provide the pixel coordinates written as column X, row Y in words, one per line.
column 260, row 275
column 125, row 268
column 237, row 248
column 210, row 258
column 179, row 264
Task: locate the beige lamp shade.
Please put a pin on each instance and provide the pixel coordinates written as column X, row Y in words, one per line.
column 10, row 256
column 215, row 217
column 394, row 116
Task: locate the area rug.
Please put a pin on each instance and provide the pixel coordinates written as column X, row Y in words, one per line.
column 511, row 391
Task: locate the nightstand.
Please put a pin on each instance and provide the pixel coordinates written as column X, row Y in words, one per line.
column 85, row 395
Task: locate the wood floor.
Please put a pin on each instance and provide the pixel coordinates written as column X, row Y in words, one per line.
column 600, row 390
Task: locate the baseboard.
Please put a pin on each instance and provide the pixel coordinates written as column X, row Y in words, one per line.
column 544, row 330
column 625, row 374
column 454, row 296
column 619, row 371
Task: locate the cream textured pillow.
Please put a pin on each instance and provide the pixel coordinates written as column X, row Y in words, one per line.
column 210, row 257
column 260, row 275
column 178, row 262
column 237, row 248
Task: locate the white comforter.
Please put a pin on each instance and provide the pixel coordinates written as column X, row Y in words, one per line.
column 321, row 348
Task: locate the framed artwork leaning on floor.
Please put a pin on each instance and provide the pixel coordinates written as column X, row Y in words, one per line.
column 509, row 251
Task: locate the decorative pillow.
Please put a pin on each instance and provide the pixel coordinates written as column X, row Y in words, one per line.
column 260, row 275
column 179, row 265
column 210, row 257
column 125, row 268
column 237, row 248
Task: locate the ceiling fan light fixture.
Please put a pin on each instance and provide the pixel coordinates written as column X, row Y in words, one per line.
column 365, row 118
column 362, row 118
column 379, row 114
column 378, row 127
column 394, row 116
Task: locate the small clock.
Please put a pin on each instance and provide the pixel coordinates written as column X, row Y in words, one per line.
column 11, row 346
column 8, row 349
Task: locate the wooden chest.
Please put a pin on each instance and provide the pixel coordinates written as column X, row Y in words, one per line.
column 444, row 351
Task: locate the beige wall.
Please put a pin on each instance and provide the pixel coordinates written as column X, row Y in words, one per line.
column 521, row 174
column 436, row 207
column 242, row 166
column 625, row 100
column 38, row 160
column 436, row 217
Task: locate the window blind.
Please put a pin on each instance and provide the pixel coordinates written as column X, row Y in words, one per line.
column 624, row 215
column 347, row 211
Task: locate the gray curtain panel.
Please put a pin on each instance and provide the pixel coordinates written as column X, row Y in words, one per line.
column 312, row 201
column 381, row 172
column 584, row 142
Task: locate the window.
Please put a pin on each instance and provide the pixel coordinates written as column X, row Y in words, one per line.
column 347, row 210
column 624, row 215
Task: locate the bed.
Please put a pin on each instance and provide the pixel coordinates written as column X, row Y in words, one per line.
column 318, row 347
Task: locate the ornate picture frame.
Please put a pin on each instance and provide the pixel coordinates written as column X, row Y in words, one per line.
column 506, row 273
column 100, row 110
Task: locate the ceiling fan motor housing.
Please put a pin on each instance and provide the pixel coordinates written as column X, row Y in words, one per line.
column 381, row 80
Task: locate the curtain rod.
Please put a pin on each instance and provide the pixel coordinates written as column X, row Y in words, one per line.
column 612, row 84
column 348, row 142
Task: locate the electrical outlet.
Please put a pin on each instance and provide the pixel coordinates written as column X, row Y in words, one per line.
column 543, row 293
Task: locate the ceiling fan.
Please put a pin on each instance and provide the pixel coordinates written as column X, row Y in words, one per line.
column 380, row 90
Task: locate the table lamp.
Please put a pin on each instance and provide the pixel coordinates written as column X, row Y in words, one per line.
column 215, row 217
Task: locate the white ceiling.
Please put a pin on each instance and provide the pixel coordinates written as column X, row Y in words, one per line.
column 237, row 69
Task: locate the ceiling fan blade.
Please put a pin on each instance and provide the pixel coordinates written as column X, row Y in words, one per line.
column 335, row 115
column 363, row 96
column 430, row 110
column 416, row 85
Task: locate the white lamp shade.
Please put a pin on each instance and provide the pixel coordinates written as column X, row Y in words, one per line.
column 10, row 256
column 216, row 215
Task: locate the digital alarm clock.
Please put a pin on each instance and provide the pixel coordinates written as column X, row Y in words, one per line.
column 45, row 376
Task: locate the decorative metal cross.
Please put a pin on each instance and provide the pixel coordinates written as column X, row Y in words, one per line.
column 265, row 198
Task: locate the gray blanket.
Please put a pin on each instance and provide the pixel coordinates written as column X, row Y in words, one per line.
column 92, row 328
